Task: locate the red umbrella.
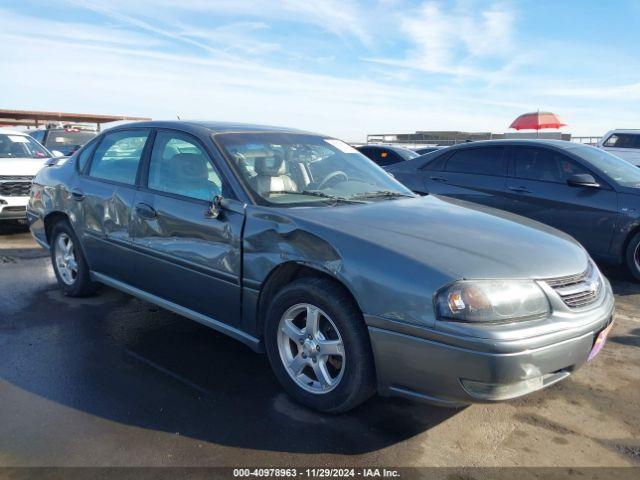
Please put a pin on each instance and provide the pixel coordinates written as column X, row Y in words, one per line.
column 537, row 121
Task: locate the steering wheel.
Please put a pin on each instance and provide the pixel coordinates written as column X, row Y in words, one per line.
column 332, row 176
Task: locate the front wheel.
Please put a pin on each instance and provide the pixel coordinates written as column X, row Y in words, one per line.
column 318, row 346
column 69, row 263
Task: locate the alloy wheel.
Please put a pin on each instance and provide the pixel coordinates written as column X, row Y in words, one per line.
column 65, row 257
column 311, row 348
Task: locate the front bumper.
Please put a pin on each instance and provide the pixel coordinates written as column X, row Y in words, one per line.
column 13, row 208
column 424, row 364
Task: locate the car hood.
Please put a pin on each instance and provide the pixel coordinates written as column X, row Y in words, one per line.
column 21, row 166
column 458, row 239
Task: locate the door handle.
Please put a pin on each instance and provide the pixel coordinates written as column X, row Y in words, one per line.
column 519, row 189
column 77, row 195
column 439, row 179
column 145, row 211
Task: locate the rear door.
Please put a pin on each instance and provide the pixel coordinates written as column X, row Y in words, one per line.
column 473, row 174
column 537, row 188
column 184, row 255
column 102, row 199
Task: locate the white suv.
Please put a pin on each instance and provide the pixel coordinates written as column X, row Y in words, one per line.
column 622, row 143
column 21, row 157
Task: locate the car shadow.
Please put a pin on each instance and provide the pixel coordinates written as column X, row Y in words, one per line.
column 128, row 361
column 16, row 243
column 622, row 282
column 632, row 339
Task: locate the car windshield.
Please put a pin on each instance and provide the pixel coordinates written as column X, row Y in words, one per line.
column 21, row 146
column 619, row 170
column 406, row 153
column 293, row 169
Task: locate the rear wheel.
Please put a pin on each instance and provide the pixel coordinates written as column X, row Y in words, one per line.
column 633, row 256
column 318, row 346
column 69, row 263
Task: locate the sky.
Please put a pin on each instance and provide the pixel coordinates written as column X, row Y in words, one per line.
column 341, row 67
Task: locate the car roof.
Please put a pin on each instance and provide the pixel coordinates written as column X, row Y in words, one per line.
column 635, row 131
column 564, row 144
column 8, row 131
column 388, row 147
column 214, row 127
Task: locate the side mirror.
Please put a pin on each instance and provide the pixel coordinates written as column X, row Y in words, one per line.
column 57, row 153
column 215, row 208
column 582, row 180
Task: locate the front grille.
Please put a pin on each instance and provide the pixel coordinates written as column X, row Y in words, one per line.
column 14, row 209
column 579, row 290
column 15, row 186
column 16, row 178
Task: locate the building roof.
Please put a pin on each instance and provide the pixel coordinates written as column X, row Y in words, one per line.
column 26, row 117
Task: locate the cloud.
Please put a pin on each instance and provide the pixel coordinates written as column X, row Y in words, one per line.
column 624, row 93
column 233, row 37
column 445, row 66
column 17, row 23
column 343, row 18
column 119, row 80
column 450, row 41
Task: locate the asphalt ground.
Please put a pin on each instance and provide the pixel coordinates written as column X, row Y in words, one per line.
column 114, row 381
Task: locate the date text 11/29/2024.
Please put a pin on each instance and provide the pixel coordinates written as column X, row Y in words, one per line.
column 317, row 472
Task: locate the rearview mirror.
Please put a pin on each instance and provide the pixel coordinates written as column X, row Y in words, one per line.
column 582, row 180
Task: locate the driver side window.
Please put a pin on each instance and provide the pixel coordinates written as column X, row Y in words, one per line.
column 180, row 166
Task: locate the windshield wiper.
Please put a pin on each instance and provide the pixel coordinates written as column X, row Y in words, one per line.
column 318, row 193
column 381, row 194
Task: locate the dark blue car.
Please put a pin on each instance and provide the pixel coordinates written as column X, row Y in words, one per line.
column 586, row 192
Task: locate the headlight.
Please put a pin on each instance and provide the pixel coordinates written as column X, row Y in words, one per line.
column 491, row 301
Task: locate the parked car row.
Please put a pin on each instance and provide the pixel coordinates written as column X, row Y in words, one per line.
column 66, row 139
column 23, row 154
column 299, row 246
column 21, row 157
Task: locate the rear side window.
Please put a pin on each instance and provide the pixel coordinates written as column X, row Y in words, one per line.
column 84, row 156
column 118, row 155
column 623, row 140
column 38, row 135
column 544, row 165
column 437, row 164
column 479, row 161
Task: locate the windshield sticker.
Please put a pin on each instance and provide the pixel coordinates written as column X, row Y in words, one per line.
column 340, row 145
column 18, row 139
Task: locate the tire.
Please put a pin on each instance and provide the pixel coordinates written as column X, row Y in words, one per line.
column 74, row 280
column 348, row 377
column 633, row 256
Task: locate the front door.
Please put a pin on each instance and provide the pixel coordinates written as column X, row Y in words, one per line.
column 538, row 189
column 184, row 255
